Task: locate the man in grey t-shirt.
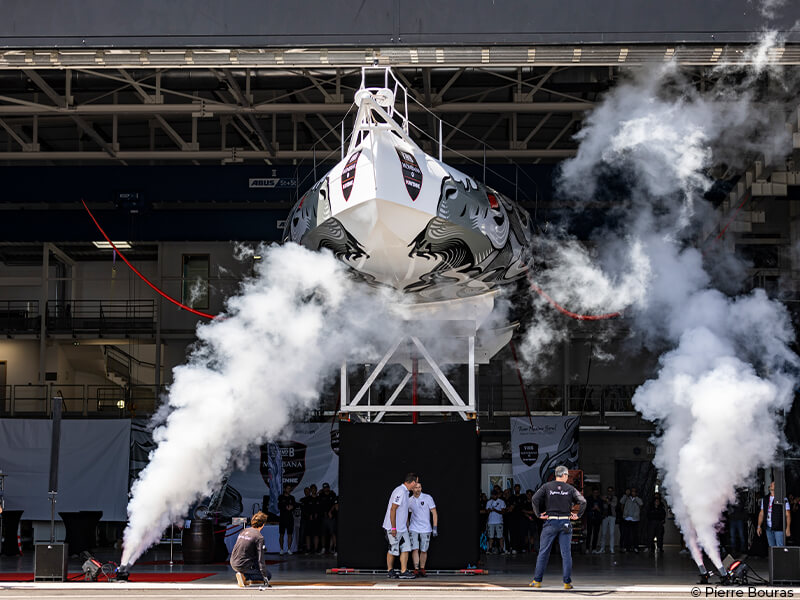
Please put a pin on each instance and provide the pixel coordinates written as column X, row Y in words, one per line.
column 631, row 515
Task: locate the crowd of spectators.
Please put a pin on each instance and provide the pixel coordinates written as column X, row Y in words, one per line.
column 614, row 523
column 318, row 510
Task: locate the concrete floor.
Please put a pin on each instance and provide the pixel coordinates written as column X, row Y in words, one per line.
column 633, row 576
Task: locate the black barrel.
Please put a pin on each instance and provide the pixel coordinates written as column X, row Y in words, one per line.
column 198, row 542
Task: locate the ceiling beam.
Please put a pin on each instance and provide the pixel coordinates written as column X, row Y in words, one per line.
column 170, row 155
column 209, row 108
column 61, row 102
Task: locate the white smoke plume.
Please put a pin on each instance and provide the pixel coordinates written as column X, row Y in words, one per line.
column 263, row 362
column 769, row 9
column 726, row 370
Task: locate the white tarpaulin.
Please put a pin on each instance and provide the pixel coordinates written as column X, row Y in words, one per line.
column 539, row 445
column 92, row 473
column 309, row 456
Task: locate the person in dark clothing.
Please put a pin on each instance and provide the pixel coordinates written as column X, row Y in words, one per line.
column 656, row 517
column 310, row 513
column 327, row 501
column 737, row 524
column 531, row 523
column 483, row 515
column 301, row 535
column 777, row 516
column 286, row 506
column 594, row 518
column 558, row 498
column 247, row 556
column 518, row 521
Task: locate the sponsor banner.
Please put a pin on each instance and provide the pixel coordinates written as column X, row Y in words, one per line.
column 309, row 456
column 270, row 183
column 539, row 445
column 92, row 466
column 412, row 174
column 349, row 175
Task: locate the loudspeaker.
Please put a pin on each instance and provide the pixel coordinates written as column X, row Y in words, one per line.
column 784, row 564
column 50, row 562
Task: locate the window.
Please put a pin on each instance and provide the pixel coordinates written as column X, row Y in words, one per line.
column 195, row 280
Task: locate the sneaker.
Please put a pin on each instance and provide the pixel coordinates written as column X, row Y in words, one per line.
column 416, row 571
column 567, row 586
column 240, row 579
column 513, row 552
column 282, row 552
column 611, row 551
column 289, row 552
column 406, row 575
column 423, row 573
column 597, row 552
column 392, row 574
column 535, row 583
column 636, row 550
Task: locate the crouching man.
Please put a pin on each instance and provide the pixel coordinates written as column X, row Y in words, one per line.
column 247, row 557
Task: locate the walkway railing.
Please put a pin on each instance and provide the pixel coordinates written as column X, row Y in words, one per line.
column 80, row 400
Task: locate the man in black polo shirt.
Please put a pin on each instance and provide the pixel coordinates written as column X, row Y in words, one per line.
column 558, row 497
column 327, row 500
column 286, row 506
column 247, row 556
column 309, row 510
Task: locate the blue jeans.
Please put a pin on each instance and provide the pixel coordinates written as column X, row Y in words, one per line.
column 551, row 530
column 738, row 541
column 774, row 538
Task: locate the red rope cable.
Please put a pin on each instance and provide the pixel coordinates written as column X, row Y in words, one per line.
column 142, row 277
column 746, row 198
column 534, row 287
column 569, row 313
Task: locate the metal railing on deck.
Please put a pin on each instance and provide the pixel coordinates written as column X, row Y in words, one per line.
column 94, row 401
column 102, row 316
column 19, row 316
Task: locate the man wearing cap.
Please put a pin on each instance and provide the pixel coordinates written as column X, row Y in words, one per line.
column 395, row 525
column 558, row 497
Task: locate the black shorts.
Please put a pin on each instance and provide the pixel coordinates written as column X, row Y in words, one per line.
column 286, row 525
column 311, row 528
column 329, row 526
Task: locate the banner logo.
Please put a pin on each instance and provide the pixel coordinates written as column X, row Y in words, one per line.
column 412, row 174
column 271, row 182
column 529, row 453
column 335, row 441
column 293, row 457
column 349, row 175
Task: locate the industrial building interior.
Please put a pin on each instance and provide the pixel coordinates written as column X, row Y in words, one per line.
column 183, row 154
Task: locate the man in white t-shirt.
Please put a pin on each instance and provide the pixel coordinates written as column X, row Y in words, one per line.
column 395, row 525
column 494, row 525
column 422, row 507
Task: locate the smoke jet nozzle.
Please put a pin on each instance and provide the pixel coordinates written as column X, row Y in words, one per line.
column 704, row 573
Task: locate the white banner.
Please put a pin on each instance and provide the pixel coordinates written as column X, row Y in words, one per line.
column 309, row 456
column 92, row 467
column 539, row 445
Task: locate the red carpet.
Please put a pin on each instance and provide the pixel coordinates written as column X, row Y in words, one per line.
column 134, row 578
column 180, row 562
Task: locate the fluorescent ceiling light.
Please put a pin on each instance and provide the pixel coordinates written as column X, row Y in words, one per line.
column 106, row 246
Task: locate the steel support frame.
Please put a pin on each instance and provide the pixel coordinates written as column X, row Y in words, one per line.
column 457, row 404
